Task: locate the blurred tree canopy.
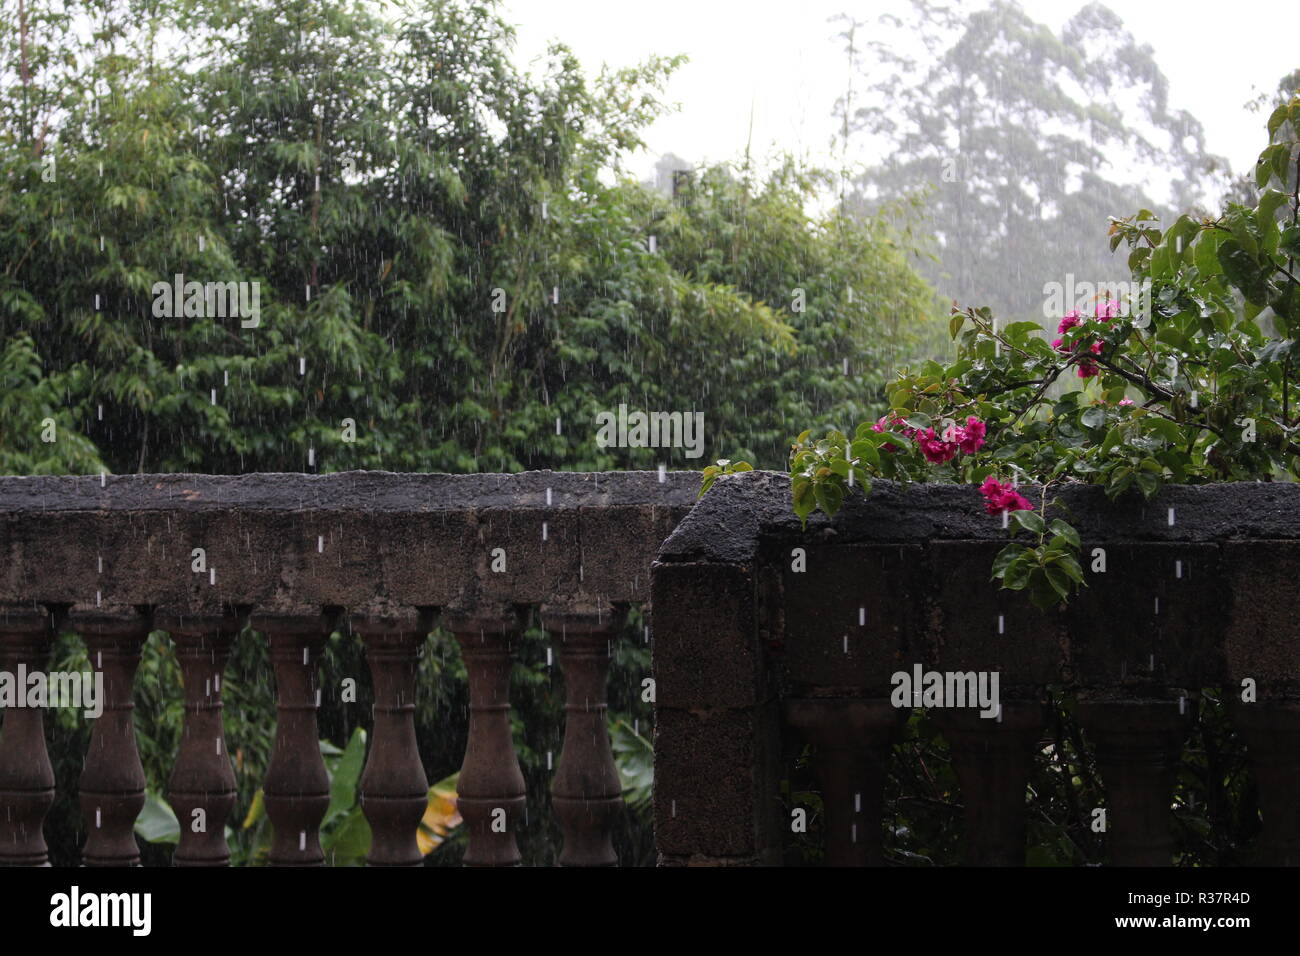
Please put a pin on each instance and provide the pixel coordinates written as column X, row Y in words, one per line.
column 447, row 250
column 1024, row 141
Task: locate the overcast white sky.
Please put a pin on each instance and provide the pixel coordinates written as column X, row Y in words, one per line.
column 778, row 57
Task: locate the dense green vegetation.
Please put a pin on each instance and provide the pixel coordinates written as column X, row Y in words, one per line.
column 447, row 253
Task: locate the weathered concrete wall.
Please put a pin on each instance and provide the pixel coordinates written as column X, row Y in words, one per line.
column 1198, row 590
column 350, row 540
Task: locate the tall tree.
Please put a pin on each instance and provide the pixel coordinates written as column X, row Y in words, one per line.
column 1026, row 140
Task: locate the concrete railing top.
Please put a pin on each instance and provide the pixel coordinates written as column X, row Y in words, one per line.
column 350, row 539
column 346, row 491
column 739, row 510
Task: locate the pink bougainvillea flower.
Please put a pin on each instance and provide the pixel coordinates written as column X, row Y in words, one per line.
column 1126, row 401
column 1105, row 311
column 934, row 449
column 1001, row 497
column 971, row 438
column 1056, row 344
column 1086, row 370
column 1069, row 321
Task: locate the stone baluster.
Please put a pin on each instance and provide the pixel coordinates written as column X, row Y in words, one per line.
column 491, row 786
column 26, row 775
column 852, row 738
column 587, row 793
column 1137, row 744
column 394, row 788
column 111, row 789
column 992, row 758
column 297, row 789
column 1271, row 729
column 202, row 784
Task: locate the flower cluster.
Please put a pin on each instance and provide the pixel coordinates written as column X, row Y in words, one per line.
column 1001, row 497
column 1103, row 312
column 937, row 449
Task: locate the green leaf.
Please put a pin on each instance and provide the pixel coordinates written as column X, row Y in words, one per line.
column 157, row 821
column 1017, row 331
column 1005, row 557
column 829, row 497
column 1066, row 531
column 1029, row 520
column 1276, row 119
column 349, row 842
column 866, row 452
column 805, row 499
column 1167, row 430
column 1269, row 202
column 343, row 784
column 1059, row 580
column 1205, row 254
column 1070, row 566
column 1016, row 574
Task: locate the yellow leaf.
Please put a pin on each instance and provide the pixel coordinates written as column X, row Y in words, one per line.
column 440, row 816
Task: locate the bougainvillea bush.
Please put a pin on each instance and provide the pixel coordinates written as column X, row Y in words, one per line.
column 1185, row 377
